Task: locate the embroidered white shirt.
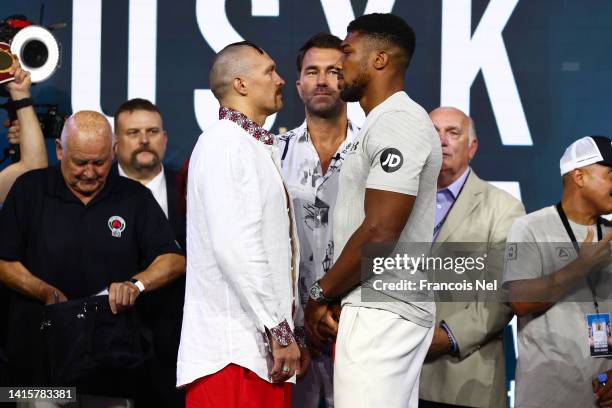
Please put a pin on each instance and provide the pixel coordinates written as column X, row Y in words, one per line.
column 240, row 263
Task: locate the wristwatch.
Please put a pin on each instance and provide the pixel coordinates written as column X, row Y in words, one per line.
column 138, row 284
column 316, row 293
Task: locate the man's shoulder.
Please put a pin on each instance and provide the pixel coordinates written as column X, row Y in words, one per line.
column 495, row 196
column 130, row 187
column 39, row 175
column 539, row 220
column 401, row 117
column 222, row 134
column 543, row 214
column 37, row 180
column 401, row 107
column 223, row 126
column 291, row 137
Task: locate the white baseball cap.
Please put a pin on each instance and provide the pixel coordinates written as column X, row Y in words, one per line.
column 586, row 151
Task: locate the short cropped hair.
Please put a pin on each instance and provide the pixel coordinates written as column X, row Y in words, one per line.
column 320, row 40
column 136, row 104
column 224, row 63
column 388, row 28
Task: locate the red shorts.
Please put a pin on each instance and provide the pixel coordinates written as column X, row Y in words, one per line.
column 237, row 387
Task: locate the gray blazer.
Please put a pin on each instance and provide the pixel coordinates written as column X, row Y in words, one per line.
column 475, row 378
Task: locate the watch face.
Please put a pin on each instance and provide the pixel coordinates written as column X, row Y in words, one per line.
column 315, row 292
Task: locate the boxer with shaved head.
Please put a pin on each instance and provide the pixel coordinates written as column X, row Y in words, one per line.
column 238, row 344
column 243, row 77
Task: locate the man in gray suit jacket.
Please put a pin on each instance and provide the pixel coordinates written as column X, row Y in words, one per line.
column 465, row 363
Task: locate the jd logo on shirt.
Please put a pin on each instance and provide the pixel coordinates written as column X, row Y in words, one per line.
column 391, row 160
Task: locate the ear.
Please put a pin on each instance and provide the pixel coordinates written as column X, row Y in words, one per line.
column 578, row 177
column 472, row 149
column 240, row 86
column 59, row 152
column 381, row 59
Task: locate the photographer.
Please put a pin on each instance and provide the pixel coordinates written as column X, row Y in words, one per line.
column 32, row 145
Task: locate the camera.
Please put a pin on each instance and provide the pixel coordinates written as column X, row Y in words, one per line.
column 37, row 49
column 39, row 53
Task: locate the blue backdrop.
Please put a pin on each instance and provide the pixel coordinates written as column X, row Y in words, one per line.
column 548, row 61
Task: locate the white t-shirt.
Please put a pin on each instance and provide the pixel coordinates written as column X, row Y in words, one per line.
column 555, row 368
column 398, row 150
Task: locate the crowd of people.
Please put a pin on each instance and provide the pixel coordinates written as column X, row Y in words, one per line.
column 239, row 282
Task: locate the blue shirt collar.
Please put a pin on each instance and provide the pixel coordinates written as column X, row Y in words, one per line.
column 456, row 185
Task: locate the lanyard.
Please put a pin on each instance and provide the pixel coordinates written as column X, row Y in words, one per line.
column 572, row 237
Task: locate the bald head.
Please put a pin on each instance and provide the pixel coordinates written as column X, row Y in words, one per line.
column 85, row 151
column 86, row 127
column 244, row 78
column 234, row 61
column 458, row 140
column 449, row 113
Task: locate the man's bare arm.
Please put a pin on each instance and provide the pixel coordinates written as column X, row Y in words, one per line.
column 163, row 270
column 32, row 145
column 16, row 276
column 547, row 290
column 386, row 214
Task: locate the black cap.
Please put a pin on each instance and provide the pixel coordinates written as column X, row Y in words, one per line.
column 604, row 144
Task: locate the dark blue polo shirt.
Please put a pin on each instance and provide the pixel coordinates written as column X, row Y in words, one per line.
column 78, row 248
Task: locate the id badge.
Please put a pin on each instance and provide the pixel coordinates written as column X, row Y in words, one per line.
column 600, row 336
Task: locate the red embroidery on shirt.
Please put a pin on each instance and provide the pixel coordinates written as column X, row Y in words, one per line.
column 247, row 124
column 282, row 334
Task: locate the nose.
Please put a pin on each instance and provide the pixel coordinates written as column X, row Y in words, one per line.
column 143, row 138
column 322, row 79
column 443, row 139
column 279, row 80
column 89, row 172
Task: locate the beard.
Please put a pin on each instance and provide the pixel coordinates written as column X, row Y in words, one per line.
column 354, row 92
column 325, row 111
column 136, row 165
